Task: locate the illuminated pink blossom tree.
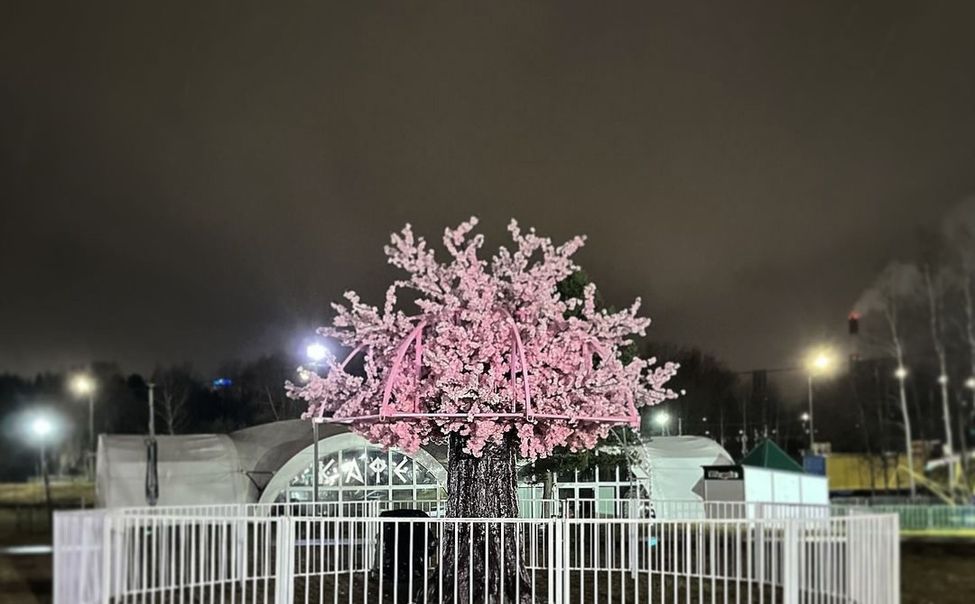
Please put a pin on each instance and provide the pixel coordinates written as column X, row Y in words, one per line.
column 492, row 360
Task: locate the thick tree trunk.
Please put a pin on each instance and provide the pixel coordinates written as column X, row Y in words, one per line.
column 482, row 562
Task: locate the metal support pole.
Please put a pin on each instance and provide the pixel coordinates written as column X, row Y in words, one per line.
column 314, row 463
column 152, row 475
column 812, row 432
column 47, row 482
column 152, row 411
column 92, row 445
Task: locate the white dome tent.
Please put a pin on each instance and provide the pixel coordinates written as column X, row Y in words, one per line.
column 266, row 463
column 193, row 469
column 272, row 463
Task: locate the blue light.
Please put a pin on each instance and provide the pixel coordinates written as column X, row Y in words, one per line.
column 222, row 382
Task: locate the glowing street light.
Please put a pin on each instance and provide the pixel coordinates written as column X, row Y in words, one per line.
column 662, row 420
column 804, row 417
column 970, row 383
column 901, row 373
column 316, row 352
column 41, row 428
column 942, row 379
column 82, row 384
column 820, row 362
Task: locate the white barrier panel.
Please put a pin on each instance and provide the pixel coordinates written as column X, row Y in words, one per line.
column 165, row 555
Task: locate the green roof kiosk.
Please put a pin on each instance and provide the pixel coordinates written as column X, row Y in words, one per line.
column 766, row 475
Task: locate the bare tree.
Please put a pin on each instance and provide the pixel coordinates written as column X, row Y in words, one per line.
column 959, row 233
column 935, row 287
column 175, row 387
column 896, row 283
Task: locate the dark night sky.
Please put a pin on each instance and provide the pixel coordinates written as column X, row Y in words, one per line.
column 198, row 182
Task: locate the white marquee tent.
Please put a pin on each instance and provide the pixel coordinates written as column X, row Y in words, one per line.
column 192, row 469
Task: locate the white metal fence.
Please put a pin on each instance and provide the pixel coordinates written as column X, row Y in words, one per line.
column 921, row 520
column 528, row 508
column 283, row 553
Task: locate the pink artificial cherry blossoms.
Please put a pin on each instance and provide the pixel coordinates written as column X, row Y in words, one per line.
column 493, row 351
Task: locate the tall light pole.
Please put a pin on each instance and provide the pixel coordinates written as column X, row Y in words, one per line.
column 963, row 422
column 662, row 419
column 83, row 386
column 152, row 452
column 819, row 363
column 42, row 429
column 316, row 353
column 804, row 418
column 901, row 374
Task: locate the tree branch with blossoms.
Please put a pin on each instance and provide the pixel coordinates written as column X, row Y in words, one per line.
column 492, row 352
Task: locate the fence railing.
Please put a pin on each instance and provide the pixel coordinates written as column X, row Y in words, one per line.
column 196, row 555
column 924, row 520
column 528, row 508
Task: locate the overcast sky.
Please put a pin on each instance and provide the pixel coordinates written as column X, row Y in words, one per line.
column 198, row 182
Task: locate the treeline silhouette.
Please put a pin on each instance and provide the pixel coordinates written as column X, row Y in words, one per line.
column 186, row 401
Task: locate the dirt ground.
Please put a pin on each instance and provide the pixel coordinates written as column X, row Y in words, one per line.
column 932, row 573
column 938, row 572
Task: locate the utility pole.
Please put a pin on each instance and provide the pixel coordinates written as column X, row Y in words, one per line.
column 314, row 463
column 152, row 475
column 812, row 437
column 45, row 476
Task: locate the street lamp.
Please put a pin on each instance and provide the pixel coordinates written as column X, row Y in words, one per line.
column 83, row 386
column 316, row 353
column 662, row 419
column 42, row 430
column 820, row 362
column 901, row 373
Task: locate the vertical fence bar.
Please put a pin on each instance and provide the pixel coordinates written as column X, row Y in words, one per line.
column 790, row 562
column 284, row 563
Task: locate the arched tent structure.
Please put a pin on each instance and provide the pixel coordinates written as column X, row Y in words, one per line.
column 192, row 469
column 272, row 462
column 673, row 465
column 353, row 469
column 667, row 471
column 269, row 462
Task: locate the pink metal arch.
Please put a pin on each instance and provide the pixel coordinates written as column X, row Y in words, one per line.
column 388, row 412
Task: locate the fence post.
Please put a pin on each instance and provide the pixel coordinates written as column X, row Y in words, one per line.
column 106, row 587
column 894, row 542
column 285, row 563
column 557, row 569
column 790, row 562
column 633, row 535
column 564, row 562
column 240, row 544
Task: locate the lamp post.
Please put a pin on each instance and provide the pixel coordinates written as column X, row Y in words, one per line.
column 901, row 374
column 84, row 386
column 316, row 353
column 41, row 429
column 970, row 384
column 819, row 363
column 152, row 452
column 662, row 419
